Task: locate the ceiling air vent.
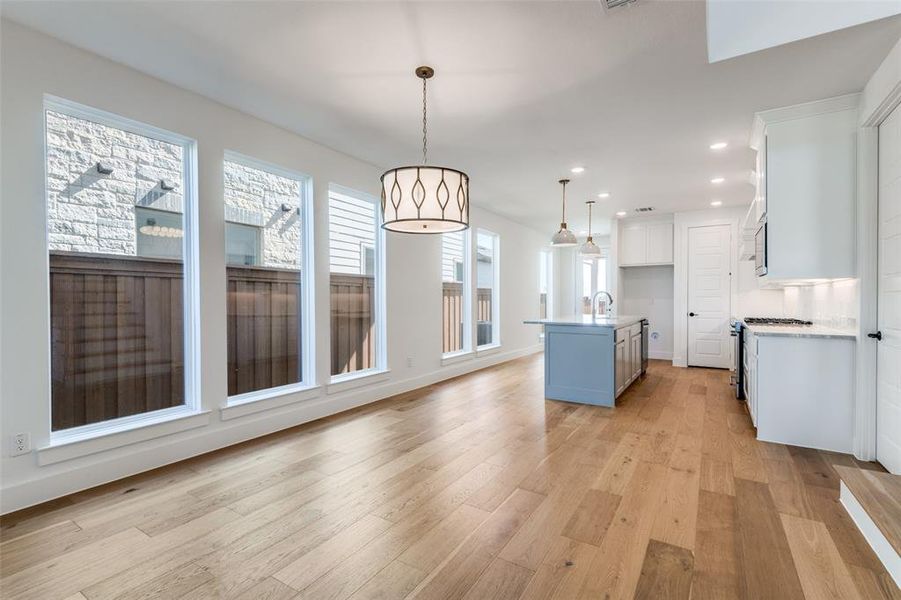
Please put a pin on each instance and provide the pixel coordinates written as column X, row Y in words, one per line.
column 611, row 4
column 644, row 209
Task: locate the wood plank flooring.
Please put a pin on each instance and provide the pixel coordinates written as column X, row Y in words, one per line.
column 475, row 488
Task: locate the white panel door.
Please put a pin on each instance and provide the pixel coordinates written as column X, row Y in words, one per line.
column 709, row 298
column 888, row 353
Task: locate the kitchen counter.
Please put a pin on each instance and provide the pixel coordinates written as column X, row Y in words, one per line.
column 591, row 361
column 614, row 322
column 801, row 331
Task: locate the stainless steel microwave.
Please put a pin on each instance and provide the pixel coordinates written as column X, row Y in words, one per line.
column 760, row 249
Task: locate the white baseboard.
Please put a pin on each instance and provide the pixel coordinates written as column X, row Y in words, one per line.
column 881, row 546
column 660, row 355
column 139, row 457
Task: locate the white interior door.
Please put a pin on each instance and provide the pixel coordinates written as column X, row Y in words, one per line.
column 709, row 342
column 888, row 353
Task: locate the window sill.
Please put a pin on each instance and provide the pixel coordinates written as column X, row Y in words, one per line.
column 254, row 402
column 452, row 358
column 350, row 381
column 488, row 349
column 68, row 445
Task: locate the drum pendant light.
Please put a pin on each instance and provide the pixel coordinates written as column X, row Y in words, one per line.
column 589, row 248
column 564, row 238
column 424, row 198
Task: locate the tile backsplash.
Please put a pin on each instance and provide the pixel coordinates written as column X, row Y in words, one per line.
column 833, row 303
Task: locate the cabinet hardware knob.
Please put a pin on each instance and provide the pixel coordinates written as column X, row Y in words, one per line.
column 876, row 336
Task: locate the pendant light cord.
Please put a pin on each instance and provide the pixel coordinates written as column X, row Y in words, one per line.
column 424, row 124
column 589, row 219
column 563, row 216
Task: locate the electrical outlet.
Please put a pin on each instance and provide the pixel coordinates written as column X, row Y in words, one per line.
column 20, row 444
column 409, row 362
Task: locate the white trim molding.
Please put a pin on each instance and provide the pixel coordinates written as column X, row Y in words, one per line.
column 879, row 98
column 877, row 541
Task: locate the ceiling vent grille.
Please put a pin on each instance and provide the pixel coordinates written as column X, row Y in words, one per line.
column 644, row 209
column 611, row 4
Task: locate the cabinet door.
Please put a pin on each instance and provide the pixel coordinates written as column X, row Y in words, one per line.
column 633, row 246
column 660, row 243
column 760, row 196
column 620, row 366
column 636, row 356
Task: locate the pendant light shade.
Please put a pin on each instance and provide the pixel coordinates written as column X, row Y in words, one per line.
column 423, row 198
column 564, row 238
column 589, row 248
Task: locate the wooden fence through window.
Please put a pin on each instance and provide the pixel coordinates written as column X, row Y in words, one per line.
column 117, row 332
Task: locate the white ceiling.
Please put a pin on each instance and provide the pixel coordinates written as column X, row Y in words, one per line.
column 522, row 92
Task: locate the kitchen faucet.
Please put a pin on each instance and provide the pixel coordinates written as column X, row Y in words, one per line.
column 594, row 304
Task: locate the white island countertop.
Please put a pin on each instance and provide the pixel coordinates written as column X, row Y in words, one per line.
column 613, row 322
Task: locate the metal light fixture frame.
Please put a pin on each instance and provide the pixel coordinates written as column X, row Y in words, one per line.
column 425, row 199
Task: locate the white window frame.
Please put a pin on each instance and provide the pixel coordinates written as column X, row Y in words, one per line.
column 344, row 381
column 467, row 298
column 577, row 268
column 307, row 331
column 495, row 290
column 547, row 257
column 191, row 285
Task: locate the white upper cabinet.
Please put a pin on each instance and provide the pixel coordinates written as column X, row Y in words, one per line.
column 643, row 243
column 807, row 163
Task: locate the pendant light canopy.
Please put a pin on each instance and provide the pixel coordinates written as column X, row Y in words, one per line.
column 564, row 238
column 423, row 198
column 589, row 248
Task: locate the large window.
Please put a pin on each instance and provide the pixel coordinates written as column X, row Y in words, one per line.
column 456, row 292
column 121, row 209
column 267, row 285
column 487, row 288
column 356, row 283
column 592, row 279
column 545, row 285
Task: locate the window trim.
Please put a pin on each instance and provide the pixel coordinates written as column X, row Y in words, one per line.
column 547, row 257
column 449, row 357
column 190, row 264
column 307, row 333
column 337, row 382
column 495, row 290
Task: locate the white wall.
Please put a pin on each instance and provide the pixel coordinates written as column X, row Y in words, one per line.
column 648, row 291
column 33, row 64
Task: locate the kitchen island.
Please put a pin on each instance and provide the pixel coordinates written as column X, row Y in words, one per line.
column 592, row 360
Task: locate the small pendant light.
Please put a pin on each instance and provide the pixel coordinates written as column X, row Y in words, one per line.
column 425, row 198
column 589, row 248
column 564, row 238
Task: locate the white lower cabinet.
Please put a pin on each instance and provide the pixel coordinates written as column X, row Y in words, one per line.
column 800, row 390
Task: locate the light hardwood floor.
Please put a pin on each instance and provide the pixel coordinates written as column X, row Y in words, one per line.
column 475, row 488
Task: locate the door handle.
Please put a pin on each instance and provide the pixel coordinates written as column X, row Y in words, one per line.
column 876, row 336
column 691, row 314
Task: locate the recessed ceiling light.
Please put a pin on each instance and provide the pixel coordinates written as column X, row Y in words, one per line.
column 621, row 213
column 718, row 146
column 718, row 180
column 716, row 203
column 577, row 169
column 604, row 195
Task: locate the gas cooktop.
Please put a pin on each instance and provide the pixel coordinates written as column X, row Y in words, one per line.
column 775, row 321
